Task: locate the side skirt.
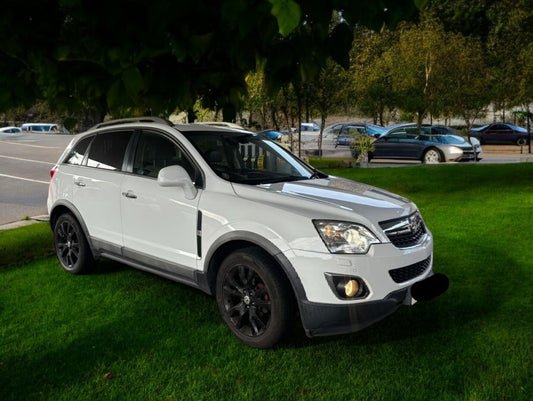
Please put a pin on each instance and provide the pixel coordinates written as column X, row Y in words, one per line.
column 159, row 267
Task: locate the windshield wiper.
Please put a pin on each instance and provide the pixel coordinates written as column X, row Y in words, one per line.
column 286, row 178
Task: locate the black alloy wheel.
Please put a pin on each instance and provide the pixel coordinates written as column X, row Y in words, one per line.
column 254, row 299
column 71, row 246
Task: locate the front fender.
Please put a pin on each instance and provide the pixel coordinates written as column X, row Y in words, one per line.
column 242, row 238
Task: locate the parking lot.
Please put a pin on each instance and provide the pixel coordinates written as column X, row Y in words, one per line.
column 26, row 160
column 25, row 163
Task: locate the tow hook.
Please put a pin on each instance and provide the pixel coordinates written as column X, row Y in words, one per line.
column 430, row 287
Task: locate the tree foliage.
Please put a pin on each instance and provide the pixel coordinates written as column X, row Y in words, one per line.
column 505, row 28
column 371, row 85
column 133, row 56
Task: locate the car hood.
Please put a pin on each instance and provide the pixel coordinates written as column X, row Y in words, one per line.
column 332, row 197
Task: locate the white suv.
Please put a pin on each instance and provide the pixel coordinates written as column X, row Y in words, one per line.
column 241, row 218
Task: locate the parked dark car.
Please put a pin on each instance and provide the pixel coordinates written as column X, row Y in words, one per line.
column 501, row 134
column 414, row 144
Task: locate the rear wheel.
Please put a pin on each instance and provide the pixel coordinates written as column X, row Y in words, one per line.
column 432, row 156
column 71, row 246
column 254, row 298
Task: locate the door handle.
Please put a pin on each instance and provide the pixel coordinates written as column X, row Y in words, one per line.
column 129, row 195
column 79, row 183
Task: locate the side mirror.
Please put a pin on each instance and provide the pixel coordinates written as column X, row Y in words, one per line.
column 176, row 176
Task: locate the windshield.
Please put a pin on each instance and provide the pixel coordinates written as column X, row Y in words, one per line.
column 246, row 158
column 374, row 129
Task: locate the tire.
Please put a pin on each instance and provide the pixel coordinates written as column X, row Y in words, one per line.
column 71, row 246
column 254, row 298
column 521, row 141
column 432, row 155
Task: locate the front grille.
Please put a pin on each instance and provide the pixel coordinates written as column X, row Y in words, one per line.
column 468, row 154
column 406, row 231
column 403, row 274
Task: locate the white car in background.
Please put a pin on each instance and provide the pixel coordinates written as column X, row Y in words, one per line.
column 10, row 130
column 241, row 218
column 44, row 128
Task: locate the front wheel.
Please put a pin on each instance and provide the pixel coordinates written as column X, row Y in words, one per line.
column 254, row 298
column 521, row 141
column 71, row 246
column 432, row 156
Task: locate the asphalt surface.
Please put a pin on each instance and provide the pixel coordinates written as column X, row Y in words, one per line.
column 26, row 160
column 25, row 163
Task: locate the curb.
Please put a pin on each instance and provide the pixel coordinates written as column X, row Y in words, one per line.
column 22, row 223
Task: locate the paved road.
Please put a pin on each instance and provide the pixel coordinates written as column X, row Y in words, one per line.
column 25, row 163
column 26, row 160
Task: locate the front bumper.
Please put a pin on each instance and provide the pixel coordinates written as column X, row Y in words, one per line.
column 323, row 319
column 326, row 319
column 390, row 276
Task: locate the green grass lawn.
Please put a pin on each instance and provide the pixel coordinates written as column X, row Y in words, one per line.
column 121, row 334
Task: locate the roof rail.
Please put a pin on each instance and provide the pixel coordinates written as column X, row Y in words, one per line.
column 149, row 119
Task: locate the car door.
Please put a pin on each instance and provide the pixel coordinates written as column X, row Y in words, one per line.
column 410, row 146
column 382, row 146
column 392, row 146
column 97, row 186
column 159, row 223
column 497, row 134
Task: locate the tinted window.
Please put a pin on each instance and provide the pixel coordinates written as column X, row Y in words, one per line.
column 75, row 157
column 500, row 127
column 155, row 152
column 248, row 159
column 399, row 137
column 108, row 149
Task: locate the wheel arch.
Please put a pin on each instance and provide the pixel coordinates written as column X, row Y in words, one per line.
column 64, row 206
column 238, row 240
column 521, row 141
column 429, row 148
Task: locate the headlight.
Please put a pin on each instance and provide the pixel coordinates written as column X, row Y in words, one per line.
column 344, row 237
column 475, row 142
column 455, row 151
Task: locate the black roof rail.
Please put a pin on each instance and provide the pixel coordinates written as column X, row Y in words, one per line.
column 149, row 119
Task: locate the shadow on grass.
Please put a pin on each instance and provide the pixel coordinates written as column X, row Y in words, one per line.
column 156, row 312
column 182, row 325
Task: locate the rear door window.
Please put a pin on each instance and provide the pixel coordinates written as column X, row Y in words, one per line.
column 75, row 157
column 108, row 149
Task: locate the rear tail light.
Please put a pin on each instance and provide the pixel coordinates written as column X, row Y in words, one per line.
column 53, row 171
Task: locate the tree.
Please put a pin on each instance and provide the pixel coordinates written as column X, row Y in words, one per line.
column 371, row 73
column 465, row 78
column 415, row 66
column 132, row 56
column 329, row 92
column 510, row 35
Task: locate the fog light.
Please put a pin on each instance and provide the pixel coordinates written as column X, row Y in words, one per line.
column 351, row 289
column 347, row 287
